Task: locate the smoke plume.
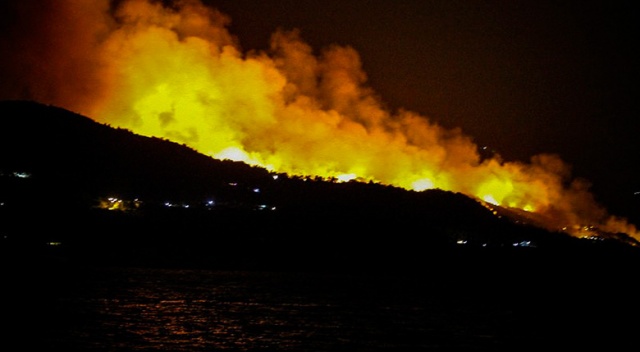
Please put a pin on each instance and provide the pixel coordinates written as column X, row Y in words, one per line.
column 173, row 70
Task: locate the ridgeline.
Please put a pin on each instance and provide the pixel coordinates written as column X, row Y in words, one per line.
column 76, row 191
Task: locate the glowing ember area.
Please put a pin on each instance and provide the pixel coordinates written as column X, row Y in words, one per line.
column 176, row 72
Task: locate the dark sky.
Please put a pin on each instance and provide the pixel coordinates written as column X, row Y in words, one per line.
column 522, row 77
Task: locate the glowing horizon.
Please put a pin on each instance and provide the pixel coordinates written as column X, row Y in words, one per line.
column 178, row 73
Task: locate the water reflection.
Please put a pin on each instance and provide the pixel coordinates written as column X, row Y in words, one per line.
column 192, row 310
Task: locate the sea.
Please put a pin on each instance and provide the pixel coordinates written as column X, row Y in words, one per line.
column 73, row 308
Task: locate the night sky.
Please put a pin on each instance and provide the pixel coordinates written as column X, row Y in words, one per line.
column 520, row 77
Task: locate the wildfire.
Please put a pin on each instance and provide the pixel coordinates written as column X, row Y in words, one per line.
column 176, row 72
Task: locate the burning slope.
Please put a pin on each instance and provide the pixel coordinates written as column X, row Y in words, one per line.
column 175, row 71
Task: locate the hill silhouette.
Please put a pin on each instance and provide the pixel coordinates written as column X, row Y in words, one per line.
column 78, row 191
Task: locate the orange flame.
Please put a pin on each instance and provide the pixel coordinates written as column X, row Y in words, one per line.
column 177, row 73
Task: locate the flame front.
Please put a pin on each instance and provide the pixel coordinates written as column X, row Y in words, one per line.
column 176, row 72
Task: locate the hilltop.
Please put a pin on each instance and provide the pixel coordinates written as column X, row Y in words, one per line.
column 75, row 190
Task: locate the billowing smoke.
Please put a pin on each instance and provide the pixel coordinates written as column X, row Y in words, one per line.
column 173, row 70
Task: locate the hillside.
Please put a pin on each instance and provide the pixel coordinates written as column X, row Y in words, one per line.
column 75, row 190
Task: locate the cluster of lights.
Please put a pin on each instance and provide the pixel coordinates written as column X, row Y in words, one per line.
column 17, row 174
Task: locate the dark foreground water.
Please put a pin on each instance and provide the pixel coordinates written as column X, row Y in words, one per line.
column 154, row 309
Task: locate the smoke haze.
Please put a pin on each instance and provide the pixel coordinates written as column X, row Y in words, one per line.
column 173, row 70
